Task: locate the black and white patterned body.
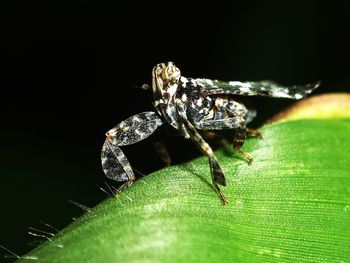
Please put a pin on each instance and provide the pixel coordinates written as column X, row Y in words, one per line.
column 208, row 112
column 187, row 105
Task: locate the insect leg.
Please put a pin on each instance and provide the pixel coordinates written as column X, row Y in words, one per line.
column 253, row 132
column 238, row 140
column 221, row 124
column 122, row 187
column 240, row 132
column 134, row 129
column 239, row 137
column 217, row 175
column 162, row 152
column 232, row 115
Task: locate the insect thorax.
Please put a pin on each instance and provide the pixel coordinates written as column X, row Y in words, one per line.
column 169, row 87
column 197, row 103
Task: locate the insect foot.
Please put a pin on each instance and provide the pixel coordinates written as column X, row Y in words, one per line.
column 218, row 177
column 245, row 155
column 254, row 133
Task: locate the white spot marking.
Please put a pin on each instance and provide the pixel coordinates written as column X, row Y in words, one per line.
column 136, row 119
column 184, row 81
column 219, row 102
column 238, row 83
column 172, row 90
column 194, row 83
column 139, row 133
column 245, row 89
column 199, row 102
column 209, row 81
column 298, row 96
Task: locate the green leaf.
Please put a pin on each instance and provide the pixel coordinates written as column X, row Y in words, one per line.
column 291, row 205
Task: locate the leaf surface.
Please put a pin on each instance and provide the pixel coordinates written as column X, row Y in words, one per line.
column 291, row 205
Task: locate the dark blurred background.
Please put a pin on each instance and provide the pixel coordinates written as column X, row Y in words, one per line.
column 69, row 69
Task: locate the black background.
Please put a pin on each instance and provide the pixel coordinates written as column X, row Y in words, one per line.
column 69, row 68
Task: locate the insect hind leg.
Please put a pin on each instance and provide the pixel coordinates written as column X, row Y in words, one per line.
column 238, row 140
column 122, row 187
column 240, row 134
column 253, row 133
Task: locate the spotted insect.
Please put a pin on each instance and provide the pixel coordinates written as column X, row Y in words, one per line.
column 189, row 105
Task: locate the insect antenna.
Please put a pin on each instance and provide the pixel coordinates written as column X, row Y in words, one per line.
column 139, row 87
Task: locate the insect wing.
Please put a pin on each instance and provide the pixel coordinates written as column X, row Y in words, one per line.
column 258, row 88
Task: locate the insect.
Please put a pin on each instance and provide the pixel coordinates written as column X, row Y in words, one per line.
column 189, row 105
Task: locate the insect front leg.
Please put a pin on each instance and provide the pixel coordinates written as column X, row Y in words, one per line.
column 134, row 129
column 217, row 175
